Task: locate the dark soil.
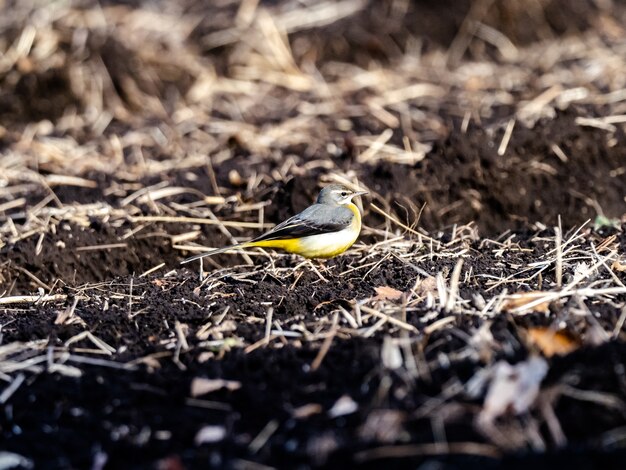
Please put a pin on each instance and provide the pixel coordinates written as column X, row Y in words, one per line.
column 147, row 411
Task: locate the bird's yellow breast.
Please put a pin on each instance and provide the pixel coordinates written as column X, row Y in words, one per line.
column 325, row 245
column 357, row 215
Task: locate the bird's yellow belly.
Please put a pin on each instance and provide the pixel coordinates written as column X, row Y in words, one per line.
column 325, row 245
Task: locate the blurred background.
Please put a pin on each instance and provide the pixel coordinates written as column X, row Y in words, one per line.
column 489, row 111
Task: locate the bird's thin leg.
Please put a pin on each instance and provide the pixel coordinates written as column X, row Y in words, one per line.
column 320, row 264
column 324, row 267
column 310, row 265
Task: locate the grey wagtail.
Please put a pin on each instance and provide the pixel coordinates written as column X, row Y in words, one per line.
column 326, row 229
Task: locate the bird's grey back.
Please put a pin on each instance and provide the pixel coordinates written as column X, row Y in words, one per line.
column 322, row 213
column 314, row 220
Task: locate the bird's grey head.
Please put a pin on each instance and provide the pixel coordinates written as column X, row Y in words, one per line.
column 337, row 195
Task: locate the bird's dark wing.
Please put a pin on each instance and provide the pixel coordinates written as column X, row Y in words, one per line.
column 314, row 220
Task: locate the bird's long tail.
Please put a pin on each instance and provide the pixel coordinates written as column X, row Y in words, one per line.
column 215, row 252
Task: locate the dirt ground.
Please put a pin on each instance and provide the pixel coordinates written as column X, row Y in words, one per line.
column 477, row 323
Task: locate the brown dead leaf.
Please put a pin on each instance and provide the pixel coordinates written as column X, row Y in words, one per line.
column 426, row 286
column 518, row 301
column 551, row 342
column 619, row 265
column 202, row 386
column 387, row 293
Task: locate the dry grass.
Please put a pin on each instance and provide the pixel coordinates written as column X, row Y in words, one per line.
column 134, row 113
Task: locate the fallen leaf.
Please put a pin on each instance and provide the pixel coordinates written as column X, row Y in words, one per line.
column 210, row 434
column 426, row 286
column 519, row 301
column 344, row 406
column 581, row 271
column 511, row 388
column 619, row 265
column 387, row 293
column 551, row 342
column 202, row 386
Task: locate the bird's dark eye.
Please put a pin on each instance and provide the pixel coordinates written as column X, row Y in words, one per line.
column 344, row 194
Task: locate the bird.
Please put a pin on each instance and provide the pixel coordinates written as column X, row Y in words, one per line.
column 325, row 229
